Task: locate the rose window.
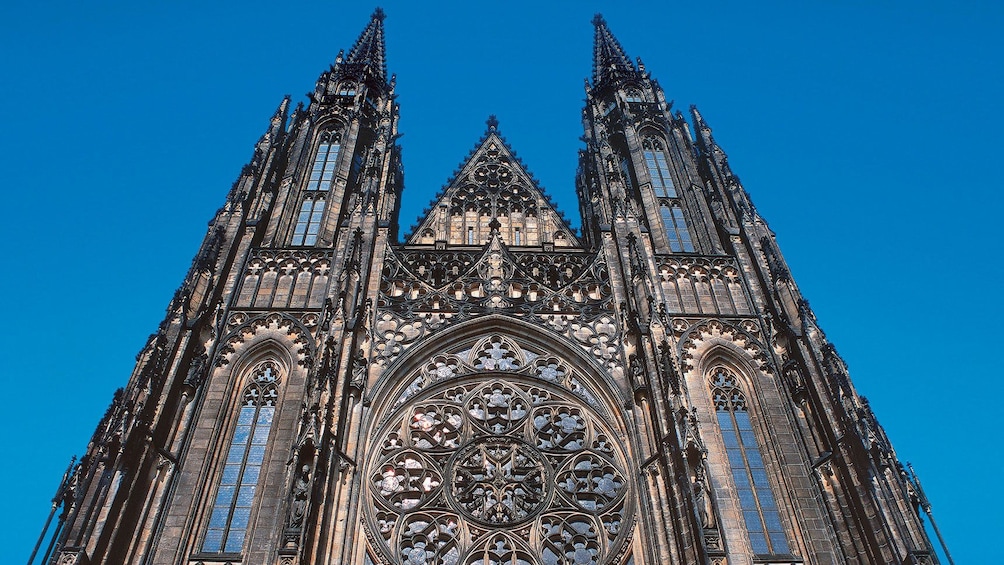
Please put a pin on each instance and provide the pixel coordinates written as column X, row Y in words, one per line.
column 507, row 470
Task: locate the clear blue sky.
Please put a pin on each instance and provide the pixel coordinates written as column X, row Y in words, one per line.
column 868, row 133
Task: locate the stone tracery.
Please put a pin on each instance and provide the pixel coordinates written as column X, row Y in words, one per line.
column 425, row 291
column 504, row 469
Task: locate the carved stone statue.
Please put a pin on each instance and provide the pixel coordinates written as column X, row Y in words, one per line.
column 702, row 497
column 196, row 372
column 301, row 489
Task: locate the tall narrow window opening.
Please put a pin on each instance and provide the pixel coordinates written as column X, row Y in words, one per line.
column 323, row 172
column 676, row 228
column 231, row 514
column 658, row 169
column 308, row 223
column 763, row 522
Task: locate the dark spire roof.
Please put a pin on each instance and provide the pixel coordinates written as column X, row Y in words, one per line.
column 370, row 48
column 610, row 62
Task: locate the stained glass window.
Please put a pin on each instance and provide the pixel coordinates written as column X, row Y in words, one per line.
column 513, row 470
column 658, row 169
column 756, row 500
column 676, row 228
column 323, row 172
column 231, row 513
column 308, row 223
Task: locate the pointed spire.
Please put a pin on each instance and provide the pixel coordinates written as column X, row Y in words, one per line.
column 370, row 48
column 610, row 62
column 275, row 130
column 704, row 139
column 279, row 117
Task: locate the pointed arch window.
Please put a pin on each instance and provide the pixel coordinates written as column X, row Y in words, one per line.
column 760, row 514
column 676, row 228
column 308, row 223
column 658, row 168
column 322, row 174
column 228, row 522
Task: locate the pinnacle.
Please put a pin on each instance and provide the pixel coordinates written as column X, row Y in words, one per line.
column 492, row 122
column 698, row 118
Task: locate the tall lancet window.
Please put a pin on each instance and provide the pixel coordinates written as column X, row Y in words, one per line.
column 322, row 175
column 670, row 205
column 658, row 169
column 308, row 223
column 755, row 497
column 676, row 228
column 323, row 172
column 228, row 523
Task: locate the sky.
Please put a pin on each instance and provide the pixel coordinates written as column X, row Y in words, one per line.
column 867, row 133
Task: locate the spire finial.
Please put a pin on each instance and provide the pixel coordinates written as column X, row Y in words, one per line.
column 610, row 62
column 370, row 49
column 492, row 122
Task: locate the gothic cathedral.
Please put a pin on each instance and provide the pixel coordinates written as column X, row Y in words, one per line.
column 499, row 388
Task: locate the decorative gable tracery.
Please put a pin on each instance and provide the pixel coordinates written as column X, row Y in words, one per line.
column 496, row 353
column 702, row 285
column 493, row 192
column 244, row 330
column 568, row 293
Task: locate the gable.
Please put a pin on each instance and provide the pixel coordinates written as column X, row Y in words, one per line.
column 493, row 190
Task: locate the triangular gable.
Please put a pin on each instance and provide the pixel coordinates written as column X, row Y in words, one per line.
column 493, row 186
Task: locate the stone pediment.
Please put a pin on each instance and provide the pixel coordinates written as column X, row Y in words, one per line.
column 492, row 185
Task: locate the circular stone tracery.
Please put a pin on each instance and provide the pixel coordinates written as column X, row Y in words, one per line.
column 501, row 465
column 498, row 481
column 493, row 175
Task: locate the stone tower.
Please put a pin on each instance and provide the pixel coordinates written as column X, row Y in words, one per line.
column 498, row 388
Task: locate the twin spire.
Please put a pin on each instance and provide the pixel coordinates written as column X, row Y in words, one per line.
column 610, row 62
column 491, row 182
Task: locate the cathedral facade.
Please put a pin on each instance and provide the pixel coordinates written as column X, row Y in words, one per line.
column 494, row 387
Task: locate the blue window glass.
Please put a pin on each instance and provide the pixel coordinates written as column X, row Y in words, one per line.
column 231, row 512
column 760, row 514
column 676, row 228
column 658, row 169
column 322, row 174
column 308, row 223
